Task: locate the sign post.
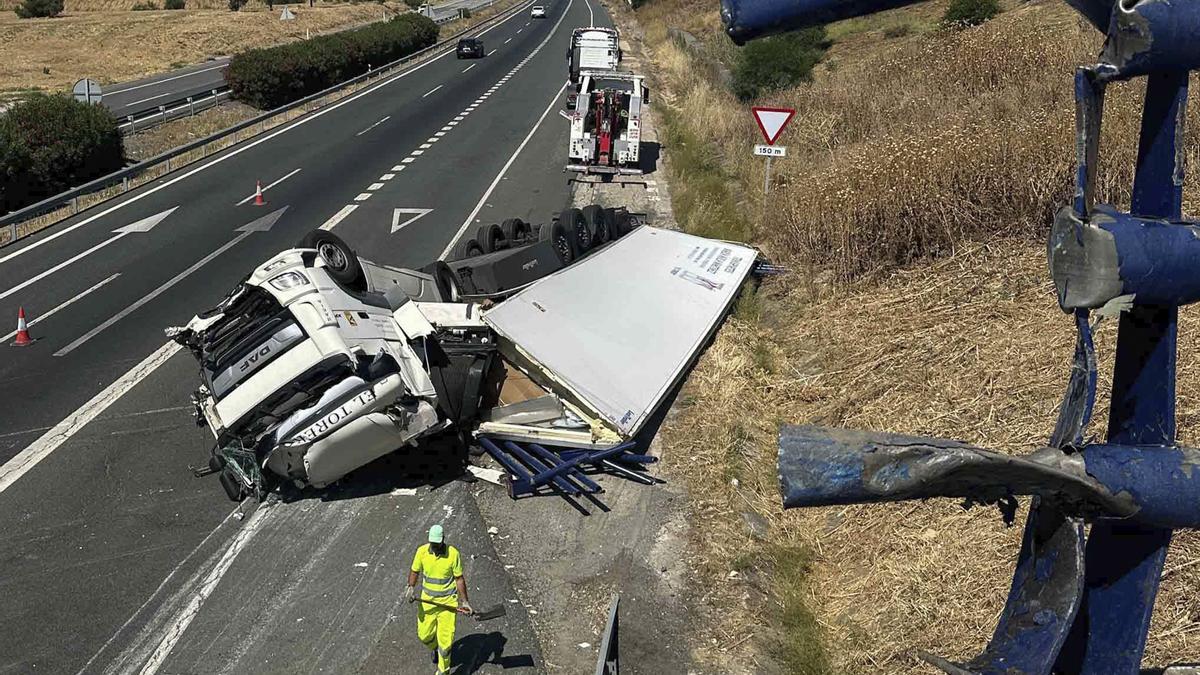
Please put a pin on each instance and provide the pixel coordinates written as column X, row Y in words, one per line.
column 87, row 91
column 771, row 122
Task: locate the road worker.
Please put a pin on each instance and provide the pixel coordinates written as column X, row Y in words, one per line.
column 442, row 598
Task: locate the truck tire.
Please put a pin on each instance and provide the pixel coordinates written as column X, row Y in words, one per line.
column 560, row 240
column 491, row 238
column 622, row 223
column 599, row 224
column 341, row 262
column 467, row 248
column 577, row 229
column 515, row 231
column 446, row 281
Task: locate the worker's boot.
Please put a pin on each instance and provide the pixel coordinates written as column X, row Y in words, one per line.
column 433, row 653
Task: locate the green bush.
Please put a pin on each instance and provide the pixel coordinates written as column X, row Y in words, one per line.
column 970, row 12
column 271, row 77
column 173, row 4
column 52, row 143
column 143, row 6
column 778, row 62
column 32, row 8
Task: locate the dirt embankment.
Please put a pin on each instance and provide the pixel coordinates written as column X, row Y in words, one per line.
column 912, row 209
column 105, row 41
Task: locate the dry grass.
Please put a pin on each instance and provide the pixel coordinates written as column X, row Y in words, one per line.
column 972, row 347
column 97, row 43
column 922, row 171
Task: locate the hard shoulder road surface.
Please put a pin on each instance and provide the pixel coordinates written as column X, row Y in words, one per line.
column 115, row 559
column 134, row 98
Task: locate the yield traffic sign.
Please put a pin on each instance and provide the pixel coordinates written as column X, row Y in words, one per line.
column 771, row 121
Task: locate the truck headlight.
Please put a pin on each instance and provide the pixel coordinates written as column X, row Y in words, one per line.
column 289, row 280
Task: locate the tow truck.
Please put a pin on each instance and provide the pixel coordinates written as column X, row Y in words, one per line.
column 606, row 123
column 558, row 340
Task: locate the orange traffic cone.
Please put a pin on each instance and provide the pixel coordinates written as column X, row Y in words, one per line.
column 258, row 198
column 22, row 339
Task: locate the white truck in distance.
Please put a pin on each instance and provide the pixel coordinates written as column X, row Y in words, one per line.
column 605, row 108
column 592, row 48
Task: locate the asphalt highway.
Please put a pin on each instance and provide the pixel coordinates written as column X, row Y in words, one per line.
column 139, row 96
column 115, row 558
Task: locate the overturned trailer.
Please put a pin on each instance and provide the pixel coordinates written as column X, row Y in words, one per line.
column 320, row 362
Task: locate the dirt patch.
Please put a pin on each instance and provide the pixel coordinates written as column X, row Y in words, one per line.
column 51, row 54
column 164, row 137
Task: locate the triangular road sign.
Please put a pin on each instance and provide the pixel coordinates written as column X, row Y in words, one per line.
column 771, row 121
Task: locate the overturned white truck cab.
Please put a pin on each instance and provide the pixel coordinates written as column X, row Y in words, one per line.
column 320, row 362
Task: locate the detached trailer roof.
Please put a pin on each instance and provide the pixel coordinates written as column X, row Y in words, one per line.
column 619, row 329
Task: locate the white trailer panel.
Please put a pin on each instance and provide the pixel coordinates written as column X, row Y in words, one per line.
column 619, row 329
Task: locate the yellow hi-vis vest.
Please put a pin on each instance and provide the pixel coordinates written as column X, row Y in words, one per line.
column 438, row 573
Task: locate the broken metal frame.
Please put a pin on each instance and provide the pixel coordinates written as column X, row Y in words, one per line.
column 1076, row 605
column 530, row 467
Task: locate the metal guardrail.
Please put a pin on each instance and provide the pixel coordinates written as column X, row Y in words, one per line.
column 449, row 11
column 190, row 106
column 122, row 177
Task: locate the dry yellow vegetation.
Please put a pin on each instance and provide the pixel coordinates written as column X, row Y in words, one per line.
column 913, row 205
column 92, row 39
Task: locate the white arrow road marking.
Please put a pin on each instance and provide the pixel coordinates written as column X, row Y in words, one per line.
column 259, row 225
column 416, row 214
column 18, row 466
column 143, row 225
column 268, row 187
column 338, row 217
column 51, row 313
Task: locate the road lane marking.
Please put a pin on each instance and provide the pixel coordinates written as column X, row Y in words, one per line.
column 388, row 117
column 415, row 213
column 398, row 167
column 441, row 133
column 482, row 200
column 520, row 29
column 417, row 153
column 425, row 146
column 49, row 314
column 362, row 197
column 408, row 160
column 505, row 42
column 374, row 186
column 458, row 119
column 62, row 432
column 238, row 150
column 470, row 67
column 252, row 196
column 260, row 225
column 591, row 16
column 387, row 176
column 432, row 90
column 141, row 226
column 168, row 79
column 491, row 52
column 169, row 93
column 175, row 630
column 338, row 217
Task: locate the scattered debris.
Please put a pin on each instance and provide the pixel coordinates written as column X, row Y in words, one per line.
column 361, row 564
column 494, row 476
column 493, row 531
column 403, row 492
column 585, row 645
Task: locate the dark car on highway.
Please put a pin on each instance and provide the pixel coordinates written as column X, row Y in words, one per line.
column 470, row 48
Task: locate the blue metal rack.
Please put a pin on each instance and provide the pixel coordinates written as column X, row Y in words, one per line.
column 532, row 468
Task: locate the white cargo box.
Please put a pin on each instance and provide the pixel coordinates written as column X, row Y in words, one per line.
column 615, row 332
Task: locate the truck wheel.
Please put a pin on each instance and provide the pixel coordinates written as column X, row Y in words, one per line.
column 514, row 230
column 467, row 248
column 598, row 222
column 216, row 463
column 491, row 238
column 577, row 229
column 560, row 240
column 622, row 223
column 232, row 487
column 446, row 280
column 340, row 260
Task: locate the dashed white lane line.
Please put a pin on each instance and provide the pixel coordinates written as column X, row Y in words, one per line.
column 505, row 42
column 426, row 146
column 51, row 313
column 417, row 153
column 252, row 195
column 374, row 125
column 408, row 160
column 398, row 167
column 62, row 432
column 458, row 118
column 491, row 52
column 362, row 197
column 387, row 176
column 338, row 217
column 470, row 67
column 520, row 29
column 374, row 186
column 432, row 90
column 441, row 133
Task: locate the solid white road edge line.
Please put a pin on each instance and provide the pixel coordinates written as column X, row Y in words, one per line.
column 482, row 200
column 268, row 187
column 184, row 619
column 49, row 314
column 238, row 150
column 338, row 217
column 48, row 442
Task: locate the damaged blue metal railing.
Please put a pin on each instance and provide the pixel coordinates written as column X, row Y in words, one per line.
column 1076, row 605
column 531, row 468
